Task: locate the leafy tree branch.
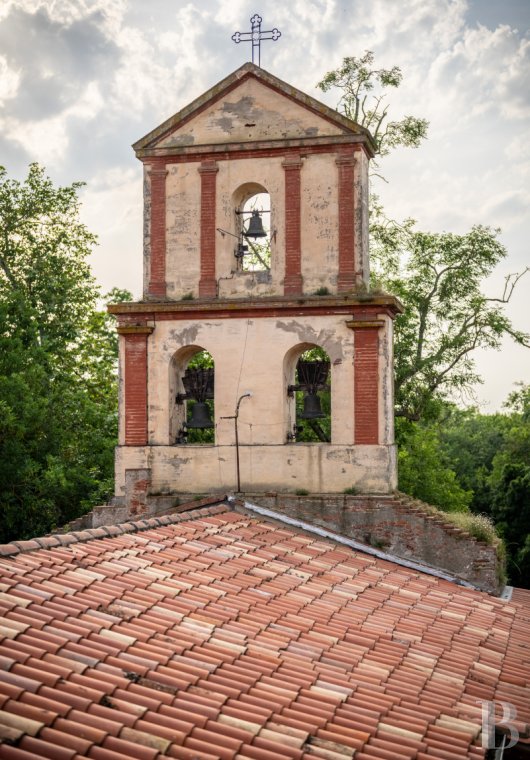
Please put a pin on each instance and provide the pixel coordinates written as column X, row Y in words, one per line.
column 439, row 279
column 58, row 361
column 363, row 101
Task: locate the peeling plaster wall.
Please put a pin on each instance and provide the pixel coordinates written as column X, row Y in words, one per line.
column 319, row 228
column 146, row 228
column 232, row 177
column 183, row 216
column 253, row 111
column 318, row 225
column 249, row 355
column 362, row 191
column 258, row 356
column 314, row 467
column 386, row 382
column 257, row 138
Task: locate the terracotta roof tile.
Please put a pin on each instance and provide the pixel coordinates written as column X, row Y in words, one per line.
column 216, row 634
column 16, row 753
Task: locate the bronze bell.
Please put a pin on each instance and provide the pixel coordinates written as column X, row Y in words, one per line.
column 312, row 409
column 255, row 227
column 200, row 416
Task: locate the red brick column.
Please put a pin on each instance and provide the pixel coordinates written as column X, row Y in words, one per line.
column 135, row 383
column 293, row 250
column 207, row 284
column 157, row 274
column 347, row 264
column 366, row 380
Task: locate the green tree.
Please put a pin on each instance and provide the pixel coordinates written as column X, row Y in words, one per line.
column 425, row 471
column 439, row 278
column 470, row 441
column 447, row 457
column 509, row 483
column 491, row 457
column 57, row 361
column 363, row 100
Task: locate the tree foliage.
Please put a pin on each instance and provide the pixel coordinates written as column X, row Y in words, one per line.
column 439, row 278
column 490, row 454
column 363, row 100
column 424, row 469
column 451, row 458
column 58, row 357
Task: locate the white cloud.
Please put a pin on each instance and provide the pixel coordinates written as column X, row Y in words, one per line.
column 112, row 205
column 82, row 79
column 485, row 74
column 9, row 80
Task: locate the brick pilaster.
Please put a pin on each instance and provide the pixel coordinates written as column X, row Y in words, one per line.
column 157, row 273
column 135, row 383
column 293, row 250
column 366, row 380
column 347, row 265
column 207, row 283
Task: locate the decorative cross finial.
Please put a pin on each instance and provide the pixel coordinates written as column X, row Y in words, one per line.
column 255, row 36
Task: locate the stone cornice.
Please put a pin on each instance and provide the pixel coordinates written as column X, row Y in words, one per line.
column 369, row 305
column 219, row 151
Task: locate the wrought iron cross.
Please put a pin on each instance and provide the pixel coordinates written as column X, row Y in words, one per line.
column 255, row 36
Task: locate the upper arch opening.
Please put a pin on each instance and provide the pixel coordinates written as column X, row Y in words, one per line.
column 253, row 215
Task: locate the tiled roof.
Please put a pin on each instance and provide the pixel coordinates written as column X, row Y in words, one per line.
column 215, row 634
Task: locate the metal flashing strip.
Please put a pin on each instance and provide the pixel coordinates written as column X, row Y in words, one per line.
column 324, row 533
column 506, row 593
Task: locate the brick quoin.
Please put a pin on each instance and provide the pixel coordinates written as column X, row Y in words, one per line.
column 346, row 276
column 135, row 382
column 366, row 386
column 293, row 251
column 207, row 284
column 157, row 274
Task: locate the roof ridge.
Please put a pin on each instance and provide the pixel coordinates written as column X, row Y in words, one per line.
column 107, row 531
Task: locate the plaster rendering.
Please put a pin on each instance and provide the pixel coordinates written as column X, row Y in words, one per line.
column 253, row 134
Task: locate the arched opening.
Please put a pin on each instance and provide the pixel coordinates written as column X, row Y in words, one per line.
column 308, row 374
column 193, row 417
column 253, row 228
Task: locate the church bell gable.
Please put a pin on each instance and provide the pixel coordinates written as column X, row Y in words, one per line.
column 258, row 359
column 254, row 136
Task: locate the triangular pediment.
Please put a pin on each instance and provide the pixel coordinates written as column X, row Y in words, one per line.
column 249, row 106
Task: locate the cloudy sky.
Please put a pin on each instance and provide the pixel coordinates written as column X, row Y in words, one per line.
column 80, row 80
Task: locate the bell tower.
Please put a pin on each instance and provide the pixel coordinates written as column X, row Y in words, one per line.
column 258, row 358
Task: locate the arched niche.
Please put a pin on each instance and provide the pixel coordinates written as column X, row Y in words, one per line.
column 249, row 198
column 192, row 357
column 298, row 429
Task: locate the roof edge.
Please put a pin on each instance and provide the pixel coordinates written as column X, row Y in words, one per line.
column 105, row 531
column 350, row 542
